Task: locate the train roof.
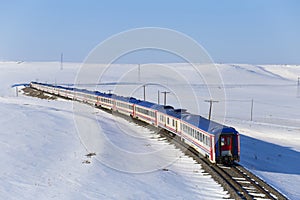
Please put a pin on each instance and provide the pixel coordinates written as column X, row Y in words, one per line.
column 209, row 126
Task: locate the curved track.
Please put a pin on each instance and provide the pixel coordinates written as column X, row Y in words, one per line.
column 239, row 182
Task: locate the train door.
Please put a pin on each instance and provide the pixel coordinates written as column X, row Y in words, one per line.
column 97, row 101
column 114, row 106
column 226, row 145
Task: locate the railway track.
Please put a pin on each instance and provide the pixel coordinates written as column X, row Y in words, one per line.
column 239, row 182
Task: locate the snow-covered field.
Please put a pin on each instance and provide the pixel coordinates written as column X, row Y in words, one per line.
column 42, row 155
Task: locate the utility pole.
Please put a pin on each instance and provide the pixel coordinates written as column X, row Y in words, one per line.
column 158, row 100
column 61, row 61
column 165, row 97
column 298, row 88
column 144, row 92
column 139, row 73
column 251, row 117
column 210, row 107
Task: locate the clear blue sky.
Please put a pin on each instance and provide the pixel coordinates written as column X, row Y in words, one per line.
column 232, row 31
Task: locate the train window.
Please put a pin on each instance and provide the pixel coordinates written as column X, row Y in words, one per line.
column 222, row 141
column 225, row 141
column 173, row 122
column 168, row 120
column 228, row 140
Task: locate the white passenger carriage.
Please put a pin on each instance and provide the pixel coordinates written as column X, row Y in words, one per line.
column 215, row 141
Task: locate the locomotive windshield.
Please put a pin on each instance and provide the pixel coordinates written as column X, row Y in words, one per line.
column 226, row 145
column 225, row 141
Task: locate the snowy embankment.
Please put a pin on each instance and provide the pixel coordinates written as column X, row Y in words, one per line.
column 270, row 143
column 43, row 157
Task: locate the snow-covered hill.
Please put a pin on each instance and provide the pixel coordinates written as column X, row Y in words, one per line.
column 42, row 155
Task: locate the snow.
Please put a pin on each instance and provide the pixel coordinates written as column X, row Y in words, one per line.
column 43, row 156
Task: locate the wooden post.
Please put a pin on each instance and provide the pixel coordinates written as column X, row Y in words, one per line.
column 165, row 97
column 144, row 92
column 251, row 117
column 158, row 100
column 210, row 107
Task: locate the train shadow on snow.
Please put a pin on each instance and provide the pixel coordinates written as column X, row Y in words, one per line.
column 264, row 156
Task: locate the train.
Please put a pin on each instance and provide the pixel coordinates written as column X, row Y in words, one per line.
column 217, row 142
